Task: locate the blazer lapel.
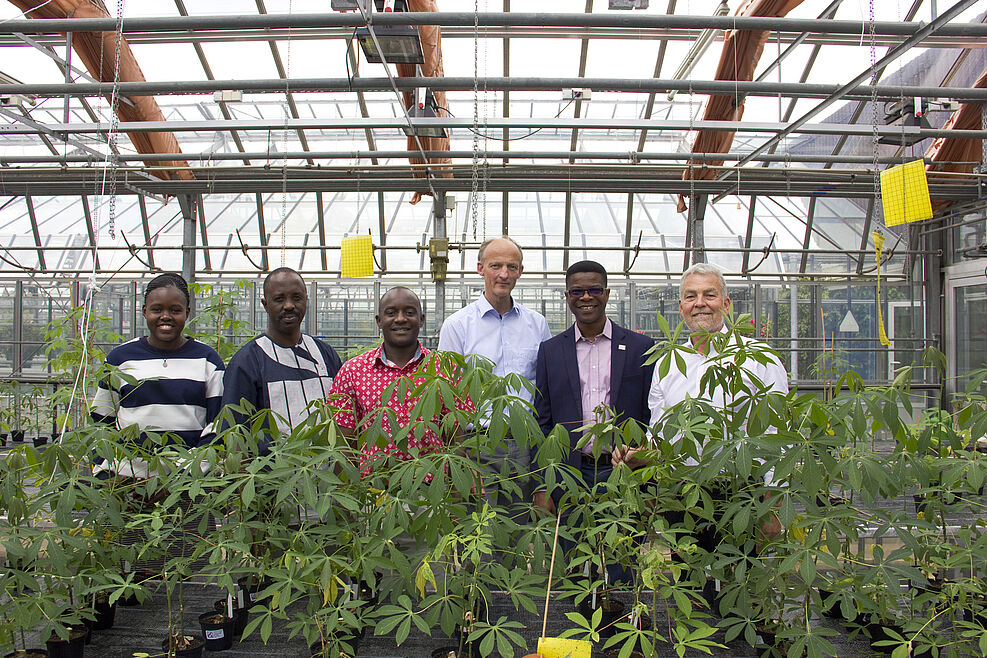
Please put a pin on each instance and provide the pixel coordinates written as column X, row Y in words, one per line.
column 572, row 368
column 617, row 358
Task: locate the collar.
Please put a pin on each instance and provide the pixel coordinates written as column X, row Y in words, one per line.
column 390, row 364
column 486, row 307
column 606, row 333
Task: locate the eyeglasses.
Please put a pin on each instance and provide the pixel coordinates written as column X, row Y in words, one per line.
column 595, row 291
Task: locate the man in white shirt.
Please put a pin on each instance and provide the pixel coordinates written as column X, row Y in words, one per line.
column 495, row 326
column 703, row 301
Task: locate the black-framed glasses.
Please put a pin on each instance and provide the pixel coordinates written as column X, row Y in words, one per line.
column 595, row 291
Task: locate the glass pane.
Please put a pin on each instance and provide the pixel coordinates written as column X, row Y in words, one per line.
column 971, row 328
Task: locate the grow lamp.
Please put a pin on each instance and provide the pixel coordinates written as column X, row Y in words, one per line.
column 905, row 114
column 399, row 44
column 424, row 108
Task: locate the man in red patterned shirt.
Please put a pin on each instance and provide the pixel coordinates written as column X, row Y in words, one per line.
column 361, row 382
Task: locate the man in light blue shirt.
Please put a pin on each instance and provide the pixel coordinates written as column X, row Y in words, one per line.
column 500, row 329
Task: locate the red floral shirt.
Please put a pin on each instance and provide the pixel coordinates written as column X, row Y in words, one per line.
column 356, row 394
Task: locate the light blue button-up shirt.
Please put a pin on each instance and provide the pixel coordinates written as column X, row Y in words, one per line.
column 511, row 340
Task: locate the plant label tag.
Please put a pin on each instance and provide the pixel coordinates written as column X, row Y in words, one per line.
column 215, row 635
column 622, row 347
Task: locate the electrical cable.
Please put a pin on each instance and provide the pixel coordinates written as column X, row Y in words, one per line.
column 509, row 139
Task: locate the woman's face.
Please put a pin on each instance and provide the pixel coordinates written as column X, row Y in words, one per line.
column 165, row 311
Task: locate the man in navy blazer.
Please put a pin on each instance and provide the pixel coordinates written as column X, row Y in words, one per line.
column 591, row 370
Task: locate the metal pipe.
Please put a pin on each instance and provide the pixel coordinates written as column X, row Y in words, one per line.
column 624, row 20
column 469, row 245
column 332, row 276
column 645, row 85
column 675, row 156
column 584, row 123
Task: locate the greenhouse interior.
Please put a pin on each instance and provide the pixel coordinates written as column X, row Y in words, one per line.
column 576, row 328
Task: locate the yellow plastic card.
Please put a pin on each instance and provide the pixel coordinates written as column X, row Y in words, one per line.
column 905, row 194
column 558, row 647
column 878, row 247
column 356, row 256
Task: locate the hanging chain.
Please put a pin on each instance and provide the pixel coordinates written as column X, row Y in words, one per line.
column 983, row 145
column 114, row 123
column 872, row 26
column 284, row 148
column 486, row 117
column 474, row 182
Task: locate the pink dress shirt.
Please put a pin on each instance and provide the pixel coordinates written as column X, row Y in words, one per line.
column 593, row 360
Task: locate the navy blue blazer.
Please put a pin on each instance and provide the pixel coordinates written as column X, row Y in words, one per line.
column 558, row 400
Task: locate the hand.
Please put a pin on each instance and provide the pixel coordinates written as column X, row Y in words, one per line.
column 544, row 502
column 626, row 456
column 772, row 527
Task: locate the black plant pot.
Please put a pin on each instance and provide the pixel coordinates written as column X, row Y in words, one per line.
column 74, row 647
column 193, row 650
column 217, row 628
column 16, row 436
column 105, row 615
column 27, row 653
column 613, row 610
column 878, row 632
column 40, row 441
column 252, row 589
column 240, row 617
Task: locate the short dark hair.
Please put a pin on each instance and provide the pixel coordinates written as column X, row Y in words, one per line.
column 380, row 304
column 168, row 279
column 586, row 266
column 280, row 270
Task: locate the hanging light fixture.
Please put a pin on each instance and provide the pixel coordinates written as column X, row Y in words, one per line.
column 399, row 44
column 908, row 113
column 425, row 107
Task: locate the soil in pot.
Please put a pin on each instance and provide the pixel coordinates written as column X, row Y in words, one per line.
column 613, row 610
column 27, row 653
column 217, row 628
column 186, row 646
column 616, row 654
column 240, row 616
column 74, row 647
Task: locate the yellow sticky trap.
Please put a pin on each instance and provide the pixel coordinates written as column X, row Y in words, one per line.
column 878, row 247
column 905, row 193
column 558, row 647
column 356, row 256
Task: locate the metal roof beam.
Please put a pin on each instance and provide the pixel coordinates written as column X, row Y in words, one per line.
column 57, row 130
column 621, row 156
column 36, row 232
column 622, row 20
column 854, row 91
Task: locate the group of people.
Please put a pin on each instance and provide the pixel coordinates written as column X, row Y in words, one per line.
column 593, row 371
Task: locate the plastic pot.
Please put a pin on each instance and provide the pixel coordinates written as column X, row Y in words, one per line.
column 217, row 628
column 105, row 615
column 16, row 436
column 240, row 617
column 252, row 588
column 613, row 610
column 40, row 441
column 878, row 632
column 192, row 647
column 74, row 647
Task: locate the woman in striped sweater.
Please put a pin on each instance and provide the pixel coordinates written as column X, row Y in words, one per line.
column 164, row 382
